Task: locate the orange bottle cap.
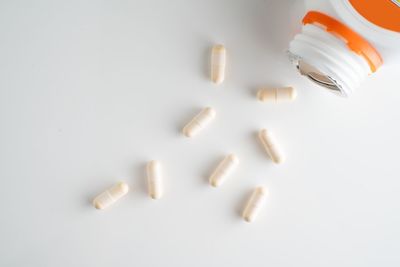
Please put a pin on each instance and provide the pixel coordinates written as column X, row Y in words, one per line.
column 385, row 14
column 354, row 41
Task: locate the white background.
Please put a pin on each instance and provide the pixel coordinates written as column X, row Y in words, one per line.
column 92, row 90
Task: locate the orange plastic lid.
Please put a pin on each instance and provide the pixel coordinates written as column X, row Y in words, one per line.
column 383, row 13
column 354, row 41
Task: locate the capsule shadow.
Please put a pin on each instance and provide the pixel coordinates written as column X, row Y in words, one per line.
column 210, row 166
column 242, row 201
column 140, row 178
column 257, row 142
column 190, row 114
column 207, row 62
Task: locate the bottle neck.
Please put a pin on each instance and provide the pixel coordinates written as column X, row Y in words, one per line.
column 327, row 61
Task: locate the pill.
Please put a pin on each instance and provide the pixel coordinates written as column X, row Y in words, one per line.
column 223, row 170
column 154, row 179
column 218, row 62
column 277, row 95
column 254, row 204
column 110, row 196
column 270, row 145
column 200, row 121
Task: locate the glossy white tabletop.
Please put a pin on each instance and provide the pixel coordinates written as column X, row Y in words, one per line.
column 90, row 91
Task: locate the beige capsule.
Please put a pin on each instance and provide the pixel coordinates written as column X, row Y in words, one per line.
column 110, row 196
column 154, row 179
column 277, row 95
column 254, row 204
column 199, row 122
column 218, row 62
column 223, row 170
column 271, row 147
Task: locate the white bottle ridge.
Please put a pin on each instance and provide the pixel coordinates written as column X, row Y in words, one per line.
column 344, row 41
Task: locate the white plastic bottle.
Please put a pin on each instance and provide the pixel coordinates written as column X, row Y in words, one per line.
column 344, row 41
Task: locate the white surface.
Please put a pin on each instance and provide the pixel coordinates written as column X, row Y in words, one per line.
column 92, row 90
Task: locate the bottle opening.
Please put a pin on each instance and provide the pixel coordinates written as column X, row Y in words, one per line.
column 318, row 77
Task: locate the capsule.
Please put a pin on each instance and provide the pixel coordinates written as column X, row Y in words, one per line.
column 254, row 204
column 110, row 196
column 277, row 95
column 154, row 179
column 218, row 62
column 199, row 122
column 223, row 170
column 268, row 141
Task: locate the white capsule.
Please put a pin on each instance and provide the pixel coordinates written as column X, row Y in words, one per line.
column 268, row 141
column 223, row 170
column 154, row 179
column 200, row 121
column 218, row 62
column 277, row 95
column 254, row 203
column 110, row 196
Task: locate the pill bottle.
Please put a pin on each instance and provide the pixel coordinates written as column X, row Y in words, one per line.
column 343, row 41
